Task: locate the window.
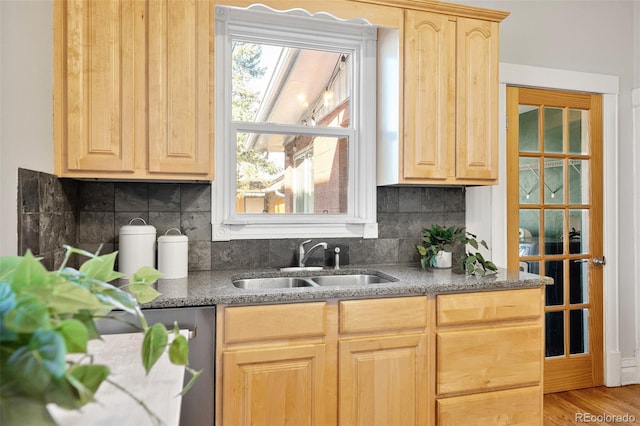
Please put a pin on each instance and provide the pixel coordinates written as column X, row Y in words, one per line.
column 295, row 125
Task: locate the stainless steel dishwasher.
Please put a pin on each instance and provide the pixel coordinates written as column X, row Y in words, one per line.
column 198, row 404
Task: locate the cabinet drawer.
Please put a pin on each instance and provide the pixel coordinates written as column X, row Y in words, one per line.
column 478, row 360
column 358, row 316
column 513, row 407
column 271, row 322
column 457, row 309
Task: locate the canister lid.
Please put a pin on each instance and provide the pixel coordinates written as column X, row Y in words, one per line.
column 131, row 229
column 168, row 239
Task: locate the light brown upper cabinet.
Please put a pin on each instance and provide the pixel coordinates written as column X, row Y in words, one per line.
column 450, row 101
column 133, row 89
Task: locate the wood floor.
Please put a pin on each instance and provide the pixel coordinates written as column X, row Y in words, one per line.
column 600, row 406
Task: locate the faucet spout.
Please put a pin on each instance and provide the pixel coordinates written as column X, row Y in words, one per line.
column 303, row 256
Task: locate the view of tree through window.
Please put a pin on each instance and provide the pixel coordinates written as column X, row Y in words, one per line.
column 290, row 109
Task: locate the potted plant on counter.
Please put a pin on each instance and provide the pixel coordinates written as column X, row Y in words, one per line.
column 439, row 242
column 437, row 245
column 46, row 315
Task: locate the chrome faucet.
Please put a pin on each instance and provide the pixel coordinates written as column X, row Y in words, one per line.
column 303, row 256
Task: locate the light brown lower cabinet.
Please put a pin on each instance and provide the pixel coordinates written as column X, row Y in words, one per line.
column 383, row 369
column 469, row 358
column 274, row 365
column 489, row 355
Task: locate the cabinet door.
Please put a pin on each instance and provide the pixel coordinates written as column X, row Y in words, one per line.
column 429, row 95
column 276, row 386
column 383, row 380
column 98, row 46
column 180, row 90
column 477, row 360
column 508, row 407
column 477, row 104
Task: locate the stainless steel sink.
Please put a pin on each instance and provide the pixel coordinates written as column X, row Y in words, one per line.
column 273, row 282
column 355, row 279
column 311, row 281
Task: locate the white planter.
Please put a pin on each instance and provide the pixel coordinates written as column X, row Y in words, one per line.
column 443, row 259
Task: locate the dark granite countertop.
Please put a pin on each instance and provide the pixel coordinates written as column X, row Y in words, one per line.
column 207, row 288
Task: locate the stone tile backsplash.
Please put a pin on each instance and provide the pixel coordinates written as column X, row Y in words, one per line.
column 86, row 214
column 47, row 215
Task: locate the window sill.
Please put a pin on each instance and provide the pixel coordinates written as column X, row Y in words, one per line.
column 228, row 232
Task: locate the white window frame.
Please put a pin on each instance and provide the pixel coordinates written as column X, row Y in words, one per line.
column 325, row 31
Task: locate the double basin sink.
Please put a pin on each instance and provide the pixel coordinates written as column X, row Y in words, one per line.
column 311, row 281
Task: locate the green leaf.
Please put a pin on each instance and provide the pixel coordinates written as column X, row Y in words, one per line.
column 146, row 274
column 85, row 380
column 29, row 272
column 91, row 376
column 86, row 319
column 153, row 345
column 424, row 263
column 422, row 250
column 75, row 335
column 118, row 299
column 143, row 292
column 470, row 268
column 78, row 386
column 8, row 264
column 24, row 372
column 70, row 298
column 63, row 393
column 21, row 411
column 7, row 299
column 101, row 268
column 179, row 351
column 31, row 367
column 473, row 244
column 29, row 315
column 51, row 349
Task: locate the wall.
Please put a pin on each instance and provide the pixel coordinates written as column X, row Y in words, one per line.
column 89, row 214
column 26, row 111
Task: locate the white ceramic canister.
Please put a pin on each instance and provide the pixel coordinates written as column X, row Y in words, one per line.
column 137, row 247
column 173, row 255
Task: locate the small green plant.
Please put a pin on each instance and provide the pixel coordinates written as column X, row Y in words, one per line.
column 45, row 315
column 436, row 239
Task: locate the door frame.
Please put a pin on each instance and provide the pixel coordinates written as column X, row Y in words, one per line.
column 488, row 205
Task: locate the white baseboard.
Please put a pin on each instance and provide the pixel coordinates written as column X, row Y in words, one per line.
column 629, row 371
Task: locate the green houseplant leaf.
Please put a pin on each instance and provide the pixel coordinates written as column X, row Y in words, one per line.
column 8, row 264
column 28, row 315
column 31, row 367
column 153, row 345
column 179, row 350
column 27, row 273
column 101, row 268
column 45, row 315
column 146, row 275
column 75, row 335
column 143, row 292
